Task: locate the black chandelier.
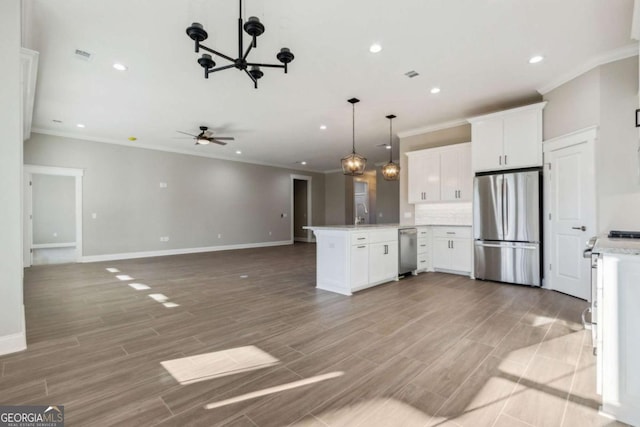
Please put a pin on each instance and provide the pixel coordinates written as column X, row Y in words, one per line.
column 254, row 28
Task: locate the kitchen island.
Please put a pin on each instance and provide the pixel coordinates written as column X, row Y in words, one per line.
column 617, row 321
column 354, row 257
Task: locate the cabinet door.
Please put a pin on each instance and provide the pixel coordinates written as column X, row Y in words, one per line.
column 383, row 263
column 359, row 266
column 416, row 177
column 442, row 253
column 465, row 174
column 460, row 254
column 449, row 172
column 487, row 148
column 522, row 139
column 432, row 172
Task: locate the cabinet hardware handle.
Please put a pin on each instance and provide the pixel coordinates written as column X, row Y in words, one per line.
column 386, row 249
column 505, row 159
column 362, row 238
column 500, row 159
column 582, row 228
column 451, row 232
column 449, row 244
column 361, row 247
column 452, row 244
column 423, row 246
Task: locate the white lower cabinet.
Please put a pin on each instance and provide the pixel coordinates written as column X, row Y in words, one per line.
column 423, row 250
column 359, row 265
column 452, row 249
column 618, row 346
column 383, row 261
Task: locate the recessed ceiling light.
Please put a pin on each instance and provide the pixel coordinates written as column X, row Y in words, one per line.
column 323, row 127
column 536, row 59
column 120, row 67
column 435, row 90
column 375, row 48
column 80, row 125
column 238, row 152
column 303, row 162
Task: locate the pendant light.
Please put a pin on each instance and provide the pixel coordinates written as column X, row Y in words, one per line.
column 391, row 171
column 354, row 163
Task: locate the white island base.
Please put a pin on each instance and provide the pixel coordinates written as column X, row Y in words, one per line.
column 352, row 258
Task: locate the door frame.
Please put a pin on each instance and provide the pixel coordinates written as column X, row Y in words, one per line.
column 309, row 179
column 587, row 136
column 30, row 170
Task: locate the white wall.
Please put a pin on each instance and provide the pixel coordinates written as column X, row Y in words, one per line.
column 12, row 335
column 607, row 97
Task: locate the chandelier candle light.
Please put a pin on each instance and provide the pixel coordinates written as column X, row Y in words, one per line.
column 391, row 171
column 354, row 163
column 254, row 28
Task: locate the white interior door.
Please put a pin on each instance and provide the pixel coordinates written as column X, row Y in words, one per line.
column 569, row 175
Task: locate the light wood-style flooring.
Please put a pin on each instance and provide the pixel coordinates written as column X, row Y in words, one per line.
column 430, row 350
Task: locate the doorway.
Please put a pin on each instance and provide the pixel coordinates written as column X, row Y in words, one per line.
column 570, row 211
column 301, row 208
column 52, row 215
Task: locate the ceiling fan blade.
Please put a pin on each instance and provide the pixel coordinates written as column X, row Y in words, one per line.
column 225, row 138
column 215, row 140
column 184, row 133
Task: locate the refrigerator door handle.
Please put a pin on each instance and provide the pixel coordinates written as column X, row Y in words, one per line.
column 506, row 206
column 507, row 245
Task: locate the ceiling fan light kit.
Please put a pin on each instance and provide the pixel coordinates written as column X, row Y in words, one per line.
column 353, row 164
column 254, row 28
column 391, row 171
column 206, row 137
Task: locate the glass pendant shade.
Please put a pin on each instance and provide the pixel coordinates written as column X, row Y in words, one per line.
column 354, row 164
column 391, row 171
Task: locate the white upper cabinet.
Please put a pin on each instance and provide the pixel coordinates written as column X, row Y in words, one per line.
column 440, row 174
column 424, row 176
column 508, row 139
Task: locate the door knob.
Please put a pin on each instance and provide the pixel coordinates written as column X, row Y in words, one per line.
column 582, row 228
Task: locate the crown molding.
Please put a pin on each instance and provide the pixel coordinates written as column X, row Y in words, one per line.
column 537, row 106
column 615, row 55
column 144, row 146
column 432, row 128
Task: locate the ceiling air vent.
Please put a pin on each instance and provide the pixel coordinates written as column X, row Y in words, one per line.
column 411, row 74
column 84, row 55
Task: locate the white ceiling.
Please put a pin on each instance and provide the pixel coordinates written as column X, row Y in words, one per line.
column 476, row 51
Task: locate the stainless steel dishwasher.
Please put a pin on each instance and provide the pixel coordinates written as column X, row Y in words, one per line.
column 408, row 253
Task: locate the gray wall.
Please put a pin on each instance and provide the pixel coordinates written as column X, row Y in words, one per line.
column 607, row 97
column 299, row 208
column 204, row 197
column 572, row 106
column 54, row 205
column 11, row 310
column 454, row 135
column 387, row 200
column 334, row 198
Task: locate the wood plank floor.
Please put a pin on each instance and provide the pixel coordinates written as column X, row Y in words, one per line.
column 430, row 350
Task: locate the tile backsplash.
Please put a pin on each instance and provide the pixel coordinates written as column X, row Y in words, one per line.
column 444, row 214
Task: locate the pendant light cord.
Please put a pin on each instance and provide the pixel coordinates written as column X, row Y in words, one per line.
column 390, row 140
column 353, row 128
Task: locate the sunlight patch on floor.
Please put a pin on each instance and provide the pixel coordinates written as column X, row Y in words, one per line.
column 170, row 304
column 139, row 286
column 124, row 277
column 276, row 389
column 159, row 297
column 202, row 367
column 113, row 270
column 376, row 412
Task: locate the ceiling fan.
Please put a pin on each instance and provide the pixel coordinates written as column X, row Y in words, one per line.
column 206, row 136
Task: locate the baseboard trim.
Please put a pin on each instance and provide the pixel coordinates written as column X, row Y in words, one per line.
column 13, row 343
column 150, row 254
column 305, row 239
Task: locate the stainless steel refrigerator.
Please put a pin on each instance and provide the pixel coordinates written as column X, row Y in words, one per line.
column 507, row 228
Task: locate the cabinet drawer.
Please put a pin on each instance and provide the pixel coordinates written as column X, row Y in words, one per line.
column 383, row 235
column 423, row 245
column 450, row 232
column 422, row 262
column 423, row 232
column 359, row 238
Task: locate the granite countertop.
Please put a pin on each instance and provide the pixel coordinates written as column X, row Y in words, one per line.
column 369, row 226
column 606, row 245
